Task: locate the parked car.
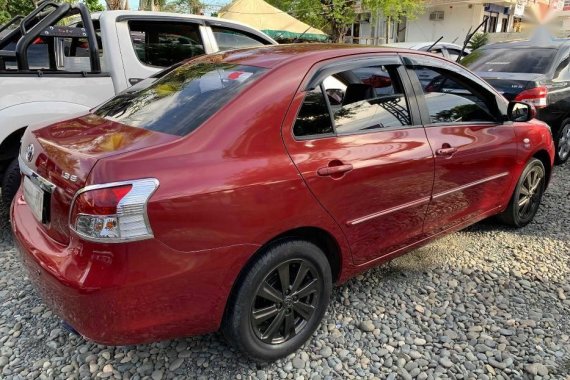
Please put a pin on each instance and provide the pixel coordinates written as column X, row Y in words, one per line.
column 60, row 71
column 447, row 50
column 443, row 49
column 533, row 72
column 229, row 194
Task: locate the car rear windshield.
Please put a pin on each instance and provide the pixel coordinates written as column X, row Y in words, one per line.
column 181, row 100
column 531, row 60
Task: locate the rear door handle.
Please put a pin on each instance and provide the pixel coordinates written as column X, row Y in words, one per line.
column 446, row 152
column 334, row 170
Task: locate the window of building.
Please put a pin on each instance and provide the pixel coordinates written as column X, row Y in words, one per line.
column 491, row 24
column 164, row 44
column 505, row 25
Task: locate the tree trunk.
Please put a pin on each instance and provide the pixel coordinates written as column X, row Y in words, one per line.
column 117, row 4
column 388, row 30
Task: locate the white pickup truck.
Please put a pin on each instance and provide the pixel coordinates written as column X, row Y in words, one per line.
column 49, row 71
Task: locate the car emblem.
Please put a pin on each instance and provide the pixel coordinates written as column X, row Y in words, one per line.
column 30, row 152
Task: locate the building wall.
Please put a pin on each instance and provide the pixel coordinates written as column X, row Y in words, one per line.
column 458, row 18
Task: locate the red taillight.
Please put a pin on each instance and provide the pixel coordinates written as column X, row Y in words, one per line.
column 113, row 212
column 100, row 201
column 535, row 96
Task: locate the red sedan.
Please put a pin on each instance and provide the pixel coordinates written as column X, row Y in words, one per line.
column 232, row 191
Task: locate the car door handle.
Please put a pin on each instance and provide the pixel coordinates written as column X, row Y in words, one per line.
column 335, row 170
column 446, row 152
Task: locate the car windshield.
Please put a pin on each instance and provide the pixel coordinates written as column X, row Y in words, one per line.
column 530, row 60
column 181, row 100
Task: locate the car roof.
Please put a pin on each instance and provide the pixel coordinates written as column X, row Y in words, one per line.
column 273, row 55
column 419, row 45
column 555, row 43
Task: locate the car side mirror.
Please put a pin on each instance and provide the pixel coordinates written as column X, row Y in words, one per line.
column 521, row 112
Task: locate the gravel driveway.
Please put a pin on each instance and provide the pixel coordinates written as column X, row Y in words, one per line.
column 487, row 302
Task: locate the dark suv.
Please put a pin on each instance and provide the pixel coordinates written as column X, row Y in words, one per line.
column 535, row 73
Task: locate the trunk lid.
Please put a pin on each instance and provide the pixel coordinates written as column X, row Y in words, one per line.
column 512, row 84
column 65, row 153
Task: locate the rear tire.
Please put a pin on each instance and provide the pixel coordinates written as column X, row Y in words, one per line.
column 280, row 301
column 562, row 142
column 11, row 182
column 527, row 195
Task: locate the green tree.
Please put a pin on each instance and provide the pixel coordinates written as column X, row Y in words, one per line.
column 394, row 10
column 478, row 40
column 19, row 7
column 335, row 16
column 332, row 16
column 94, row 5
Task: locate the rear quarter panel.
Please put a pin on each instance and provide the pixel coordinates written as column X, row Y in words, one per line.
column 230, row 182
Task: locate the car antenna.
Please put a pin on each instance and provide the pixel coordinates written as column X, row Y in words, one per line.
column 298, row 38
column 435, row 43
column 469, row 36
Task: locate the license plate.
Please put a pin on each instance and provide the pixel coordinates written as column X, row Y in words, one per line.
column 34, row 197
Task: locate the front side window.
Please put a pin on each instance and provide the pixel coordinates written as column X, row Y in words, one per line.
column 164, row 44
column 361, row 100
column 179, row 101
column 228, row 39
column 451, row 99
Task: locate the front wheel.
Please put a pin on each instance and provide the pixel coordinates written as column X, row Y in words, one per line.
column 527, row 196
column 563, row 142
column 11, row 182
column 280, row 301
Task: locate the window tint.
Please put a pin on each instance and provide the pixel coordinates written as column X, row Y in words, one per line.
column 313, row 118
column 373, row 99
column 228, row 39
column 528, row 60
column 562, row 71
column 451, row 100
column 164, row 44
column 181, row 100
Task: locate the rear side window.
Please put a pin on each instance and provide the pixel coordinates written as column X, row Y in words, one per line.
column 164, row 44
column 450, row 100
column 181, row 100
column 228, row 39
column 529, row 60
column 313, row 118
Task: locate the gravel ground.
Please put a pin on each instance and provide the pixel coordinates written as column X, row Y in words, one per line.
column 486, row 302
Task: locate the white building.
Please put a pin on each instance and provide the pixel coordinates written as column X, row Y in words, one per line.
column 450, row 19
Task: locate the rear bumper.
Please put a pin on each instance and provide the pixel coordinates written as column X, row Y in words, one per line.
column 134, row 293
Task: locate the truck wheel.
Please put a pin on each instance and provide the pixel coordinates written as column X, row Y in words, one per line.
column 11, row 182
column 280, row 301
column 527, row 195
column 562, row 142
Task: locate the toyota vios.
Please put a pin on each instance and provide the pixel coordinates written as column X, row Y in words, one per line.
column 232, row 191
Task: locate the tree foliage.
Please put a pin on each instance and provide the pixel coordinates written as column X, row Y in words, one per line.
column 178, row 6
column 11, row 8
column 478, row 40
column 335, row 16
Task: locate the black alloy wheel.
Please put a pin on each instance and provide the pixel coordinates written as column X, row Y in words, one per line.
column 527, row 195
column 279, row 300
column 563, row 143
column 285, row 301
